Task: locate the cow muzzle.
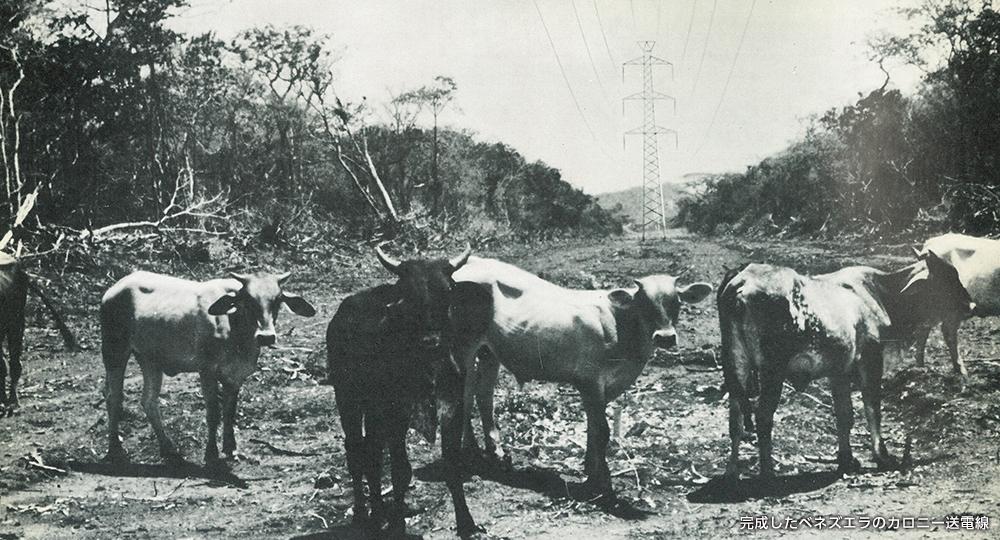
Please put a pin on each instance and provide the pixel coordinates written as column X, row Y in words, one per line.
column 265, row 339
column 665, row 340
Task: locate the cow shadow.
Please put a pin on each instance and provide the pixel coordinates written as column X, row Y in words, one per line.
column 723, row 490
column 347, row 532
column 183, row 469
column 545, row 481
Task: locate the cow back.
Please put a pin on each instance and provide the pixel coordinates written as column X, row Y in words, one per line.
column 977, row 261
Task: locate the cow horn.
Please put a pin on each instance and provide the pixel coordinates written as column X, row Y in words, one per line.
column 920, row 256
column 242, row 278
column 388, row 262
column 457, row 262
column 281, row 278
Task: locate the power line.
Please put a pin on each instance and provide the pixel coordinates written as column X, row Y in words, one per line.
column 704, row 48
column 563, row 71
column 687, row 37
column 659, row 9
column 583, row 36
column 631, row 6
column 725, row 86
column 605, row 36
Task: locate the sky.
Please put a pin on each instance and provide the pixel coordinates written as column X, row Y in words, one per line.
column 545, row 76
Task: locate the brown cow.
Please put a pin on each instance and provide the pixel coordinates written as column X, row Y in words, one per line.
column 779, row 325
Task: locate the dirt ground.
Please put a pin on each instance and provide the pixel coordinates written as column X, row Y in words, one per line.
column 671, row 445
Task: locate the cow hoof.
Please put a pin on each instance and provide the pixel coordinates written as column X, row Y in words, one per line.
column 597, row 491
column 173, row 459
column 474, row 533
column 360, row 517
column 498, row 463
column 217, row 464
column 887, row 463
column 851, row 466
column 116, row 457
column 397, row 528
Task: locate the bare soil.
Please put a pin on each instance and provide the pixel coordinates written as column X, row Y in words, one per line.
column 671, row 441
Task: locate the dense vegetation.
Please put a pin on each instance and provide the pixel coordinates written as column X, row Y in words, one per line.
column 119, row 123
column 889, row 162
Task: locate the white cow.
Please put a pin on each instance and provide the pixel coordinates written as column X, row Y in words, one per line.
column 978, row 263
column 598, row 341
column 215, row 328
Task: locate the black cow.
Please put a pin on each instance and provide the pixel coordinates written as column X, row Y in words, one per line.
column 390, row 348
column 14, row 285
column 778, row 325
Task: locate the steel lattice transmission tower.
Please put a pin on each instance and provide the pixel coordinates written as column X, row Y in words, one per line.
column 653, row 213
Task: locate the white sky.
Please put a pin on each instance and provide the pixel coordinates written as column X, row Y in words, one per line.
column 799, row 57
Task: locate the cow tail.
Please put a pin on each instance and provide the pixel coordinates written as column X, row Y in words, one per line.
column 69, row 340
column 739, row 380
column 117, row 318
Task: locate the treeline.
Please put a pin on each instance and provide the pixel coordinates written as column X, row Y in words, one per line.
column 115, row 121
column 887, row 163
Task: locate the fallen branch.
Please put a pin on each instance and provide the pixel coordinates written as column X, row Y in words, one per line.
column 319, row 517
column 281, row 451
column 810, row 396
column 36, row 462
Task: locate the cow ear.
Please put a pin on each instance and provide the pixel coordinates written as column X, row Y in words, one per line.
column 620, row 297
column 935, row 264
column 223, row 306
column 297, row 304
column 694, row 293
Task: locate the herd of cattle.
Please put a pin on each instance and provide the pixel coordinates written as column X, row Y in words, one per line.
column 434, row 340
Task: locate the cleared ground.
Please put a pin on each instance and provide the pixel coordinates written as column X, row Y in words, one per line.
column 292, row 480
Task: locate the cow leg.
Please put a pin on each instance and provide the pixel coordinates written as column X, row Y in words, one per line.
column 3, row 378
column 871, row 395
column 210, row 392
column 920, row 336
column 489, row 369
column 230, row 399
column 15, row 342
column 451, row 412
column 152, row 381
column 767, row 403
column 840, row 387
column 375, row 436
column 402, row 472
column 949, row 329
column 470, row 385
column 354, row 447
column 114, row 382
column 598, row 435
column 736, row 431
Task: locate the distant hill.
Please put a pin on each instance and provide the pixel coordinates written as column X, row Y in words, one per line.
column 631, row 201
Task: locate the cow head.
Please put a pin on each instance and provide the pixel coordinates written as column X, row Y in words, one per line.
column 657, row 302
column 938, row 287
column 259, row 299
column 422, row 294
